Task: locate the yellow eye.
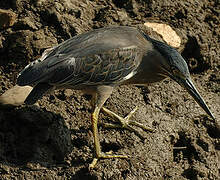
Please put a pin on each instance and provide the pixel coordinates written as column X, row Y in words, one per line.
column 177, row 73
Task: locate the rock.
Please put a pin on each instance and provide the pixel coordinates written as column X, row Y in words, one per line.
column 27, row 23
column 168, row 34
column 7, row 18
column 1, row 41
column 40, row 2
column 150, row 32
column 68, row 92
column 43, row 39
column 123, row 16
column 23, row 42
column 15, row 96
column 20, row 43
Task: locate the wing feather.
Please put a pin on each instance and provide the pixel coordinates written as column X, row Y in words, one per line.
column 105, row 68
column 102, row 56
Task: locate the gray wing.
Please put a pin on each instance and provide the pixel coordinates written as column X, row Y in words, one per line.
column 102, row 56
column 110, row 67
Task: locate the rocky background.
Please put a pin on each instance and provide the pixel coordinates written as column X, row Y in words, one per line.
column 53, row 140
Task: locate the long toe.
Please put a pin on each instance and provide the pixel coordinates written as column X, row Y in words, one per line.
column 125, row 123
column 105, row 156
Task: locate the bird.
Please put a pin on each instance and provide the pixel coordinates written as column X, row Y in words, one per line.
column 99, row 60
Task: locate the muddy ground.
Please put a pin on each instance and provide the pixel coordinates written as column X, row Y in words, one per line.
column 54, row 140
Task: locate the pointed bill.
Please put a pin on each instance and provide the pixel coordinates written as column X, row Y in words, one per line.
column 188, row 85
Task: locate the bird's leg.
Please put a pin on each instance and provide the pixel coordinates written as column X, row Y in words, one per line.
column 99, row 154
column 98, row 100
column 125, row 123
column 94, row 119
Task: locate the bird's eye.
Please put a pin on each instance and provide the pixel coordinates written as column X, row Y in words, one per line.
column 177, row 73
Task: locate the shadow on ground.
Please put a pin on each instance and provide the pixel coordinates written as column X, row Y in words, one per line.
column 30, row 134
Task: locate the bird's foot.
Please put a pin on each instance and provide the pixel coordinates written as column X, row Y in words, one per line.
column 125, row 123
column 108, row 155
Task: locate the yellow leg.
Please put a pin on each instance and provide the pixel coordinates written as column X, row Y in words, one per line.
column 125, row 123
column 98, row 153
column 95, row 132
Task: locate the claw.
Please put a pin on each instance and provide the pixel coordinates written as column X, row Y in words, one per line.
column 131, row 113
column 141, row 126
column 105, row 156
column 125, row 122
column 94, row 162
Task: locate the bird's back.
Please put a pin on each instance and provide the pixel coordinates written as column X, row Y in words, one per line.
column 104, row 55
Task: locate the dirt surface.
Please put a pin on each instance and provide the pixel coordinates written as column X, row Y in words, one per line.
column 54, row 140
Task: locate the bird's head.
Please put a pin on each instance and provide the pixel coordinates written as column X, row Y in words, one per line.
column 174, row 66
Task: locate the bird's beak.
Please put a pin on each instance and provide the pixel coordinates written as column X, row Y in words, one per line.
column 188, row 85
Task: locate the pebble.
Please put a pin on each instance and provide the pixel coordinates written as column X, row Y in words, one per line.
column 15, row 96
column 7, row 18
column 169, row 35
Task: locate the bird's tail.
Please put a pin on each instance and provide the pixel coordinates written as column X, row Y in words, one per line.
column 37, row 92
column 32, row 72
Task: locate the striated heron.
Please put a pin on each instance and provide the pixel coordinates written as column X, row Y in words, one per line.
column 97, row 61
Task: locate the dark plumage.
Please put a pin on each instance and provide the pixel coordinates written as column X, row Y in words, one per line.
column 99, row 60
